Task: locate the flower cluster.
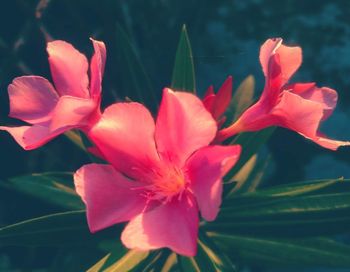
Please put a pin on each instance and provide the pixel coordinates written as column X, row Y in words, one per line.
column 159, row 174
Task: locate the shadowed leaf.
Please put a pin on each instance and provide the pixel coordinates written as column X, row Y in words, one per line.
column 265, row 252
column 59, row 229
column 53, row 187
column 133, row 80
column 183, row 78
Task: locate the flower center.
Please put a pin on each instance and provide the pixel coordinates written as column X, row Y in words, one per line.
column 166, row 184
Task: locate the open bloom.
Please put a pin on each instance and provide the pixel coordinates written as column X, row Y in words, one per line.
column 300, row 106
column 161, row 175
column 217, row 103
column 73, row 103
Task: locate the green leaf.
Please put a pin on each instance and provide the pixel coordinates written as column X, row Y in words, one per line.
column 218, row 258
column 248, row 178
column 60, row 229
column 306, row 187
column 118, row 261
column 170, row 263
column 132, row 78
column 240, row 178
column 251, row 143
column 76, row 139
column 188, row 264
column 265, row 252
column 242, row 99
column 325, row 211
column 53, row 187
column 183, row 78
column 154, row 262
column 209, row 258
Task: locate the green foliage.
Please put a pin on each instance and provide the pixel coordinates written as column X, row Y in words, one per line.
column 242, row 98
column 183, row 78
column 134, row 82
column 67, row 228
column 54, row 187
column 209, row 258
column 319, row 203
column 118, row 261
column 250, row 142
column 268, row 252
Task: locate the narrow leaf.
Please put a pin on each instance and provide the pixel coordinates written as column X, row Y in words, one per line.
column 133, row 81
column 298, row 215
column 116, row 262
column 209, row 258
column 249, row 177
column 60, row 229
column 53, row 187
column 307, row 187
column 75, row 138
column 265, row 252
column 251, row 143
column 183, row 78
column 242, row 99
column 170, row 263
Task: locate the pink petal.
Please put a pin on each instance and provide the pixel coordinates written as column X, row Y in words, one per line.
column 68, row 69
column 97, row 67
column 173, row 225
column 299, row 114
column 183, row 126
column 273, row 83
column 266, row 51
column 327, row 97
column 205, row 169
column 32, row 99
column 72, row 112
column 329, row 143
column 290, row 57
column 31, row 137
column 109, row 196
column 255, row 118
column 299, row 88
column 223, row 98
column 125, row 136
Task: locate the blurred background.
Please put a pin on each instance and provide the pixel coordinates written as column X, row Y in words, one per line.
column 225, row 36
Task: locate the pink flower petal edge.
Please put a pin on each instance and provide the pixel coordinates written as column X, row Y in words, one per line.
column 109, row 196
column 173, row 225
column 53, row 111
column 155, row 181
column 300, row 106
column 205, row 169
column 194, row 126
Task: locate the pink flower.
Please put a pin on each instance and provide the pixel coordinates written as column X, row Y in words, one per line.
column 217, row 103
column 161, row 174
column 51, row 111
column 300, row 107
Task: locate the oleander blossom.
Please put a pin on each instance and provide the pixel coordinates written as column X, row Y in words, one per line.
column 73, row 103
column 161, row 175
column 300, row 106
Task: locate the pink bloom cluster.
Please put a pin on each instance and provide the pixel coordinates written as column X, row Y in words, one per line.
column 160, row 174
column 299, row 106
column 73, row 103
